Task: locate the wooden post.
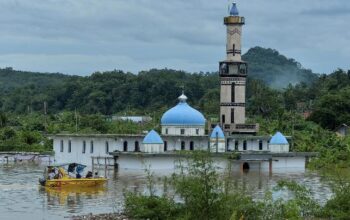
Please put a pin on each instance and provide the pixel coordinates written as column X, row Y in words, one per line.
column 93, row 164
column 270, row 166
column 105, row 167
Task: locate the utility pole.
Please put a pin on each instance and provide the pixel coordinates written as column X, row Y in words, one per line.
column 76, row 120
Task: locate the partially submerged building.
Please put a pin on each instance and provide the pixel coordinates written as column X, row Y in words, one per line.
column 183, row 128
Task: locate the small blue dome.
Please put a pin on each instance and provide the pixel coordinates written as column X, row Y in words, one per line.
column 153, row 138
column 182, row 114
column 278, row 138
column 234, row 10
column 217, row 132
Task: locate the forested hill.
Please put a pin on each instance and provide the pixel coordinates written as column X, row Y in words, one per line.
column 274, row 69
column 11, row 79
column 116, row 91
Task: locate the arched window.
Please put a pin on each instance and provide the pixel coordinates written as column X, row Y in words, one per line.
column 61, row 146
column 91, row 147
column 245, row 145
column 69, row 146
column 183, row 145
column 84, row 147
column 107, row 147
column 236, row 145
column 125, row 146
column 191, row 145
column 260, row 145
column 137, row 148
column 165, row 146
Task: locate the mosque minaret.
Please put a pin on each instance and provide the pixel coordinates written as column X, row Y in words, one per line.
column 233, row 76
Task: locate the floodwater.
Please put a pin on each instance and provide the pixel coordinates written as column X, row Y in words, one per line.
column 22, row 198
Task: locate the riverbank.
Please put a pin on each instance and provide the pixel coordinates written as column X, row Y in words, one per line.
column 105, row 216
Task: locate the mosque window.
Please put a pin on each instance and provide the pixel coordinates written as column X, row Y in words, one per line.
column 91, row 147
column 223, row 119
column 244, row 145
column 107, row 147
column 165, row 146
column 182, row 131
column 236, row 144
column 137, row 147
column 125, row 146
column 233, row 87
column 191, row 145
column 61, row 146
column 183, row 146
column 166, row 131
column 232, row 115
column 197, row 131
column 69, row 146
column 84, row 147
column 233, row 49
column 260, row 145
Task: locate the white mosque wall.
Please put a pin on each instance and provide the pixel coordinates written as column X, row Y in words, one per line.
column 153, row 148
column 94, row 146
column 176, row 143
column 251, row 144
column 217, row 145
column 293, row 163
column 183, row 130
column 279, row 148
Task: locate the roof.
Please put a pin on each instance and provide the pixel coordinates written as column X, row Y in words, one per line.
column 217, row 132
column 153, row 138
column 182, row 114
column 234, row 10
column 278, row 138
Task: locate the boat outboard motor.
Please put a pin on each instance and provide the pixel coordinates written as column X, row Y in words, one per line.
column 42, row 181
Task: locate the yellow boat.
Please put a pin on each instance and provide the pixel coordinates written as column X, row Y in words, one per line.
column 56, row 176
column 73, row 182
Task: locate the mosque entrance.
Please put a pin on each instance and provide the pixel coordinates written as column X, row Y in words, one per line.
column 246, row 167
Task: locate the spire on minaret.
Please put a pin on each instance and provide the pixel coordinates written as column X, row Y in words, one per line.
column 234, row 10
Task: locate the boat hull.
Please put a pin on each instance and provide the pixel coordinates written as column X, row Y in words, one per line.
column 83, row 182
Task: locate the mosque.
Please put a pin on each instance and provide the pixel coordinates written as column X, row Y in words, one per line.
column 183, row 128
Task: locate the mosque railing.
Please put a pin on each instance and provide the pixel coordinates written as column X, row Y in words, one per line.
column 241, row 128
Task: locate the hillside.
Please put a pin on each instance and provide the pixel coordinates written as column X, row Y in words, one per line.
column 11, row 79
column 274, row 69
column 153, row 90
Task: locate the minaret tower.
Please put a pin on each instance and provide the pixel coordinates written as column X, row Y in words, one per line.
column 233, row 75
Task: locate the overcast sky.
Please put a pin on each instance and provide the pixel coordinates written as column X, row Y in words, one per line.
column 84, row 36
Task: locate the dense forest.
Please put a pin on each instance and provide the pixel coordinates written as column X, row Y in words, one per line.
column 309, row 106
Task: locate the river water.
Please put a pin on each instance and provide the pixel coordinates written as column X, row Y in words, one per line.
column 22, row 198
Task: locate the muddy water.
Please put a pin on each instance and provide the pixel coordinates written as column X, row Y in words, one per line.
column 22, row 198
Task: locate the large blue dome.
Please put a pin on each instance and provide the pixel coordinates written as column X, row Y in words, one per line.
column 182, row 114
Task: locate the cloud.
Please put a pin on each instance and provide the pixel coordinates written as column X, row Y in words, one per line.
column 82, row 36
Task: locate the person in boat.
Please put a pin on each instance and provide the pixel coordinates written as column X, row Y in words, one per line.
column 88, row 175
column 51, row 174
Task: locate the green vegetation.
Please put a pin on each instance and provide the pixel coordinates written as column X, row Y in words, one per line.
column 202, row 193
column 77, row 104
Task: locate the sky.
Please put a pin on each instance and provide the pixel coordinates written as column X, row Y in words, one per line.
column 84, row 36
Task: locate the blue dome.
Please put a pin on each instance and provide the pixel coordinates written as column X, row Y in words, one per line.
column 152, row 138
column 234, row 10
column 278, row 138
column 217, row 132
column 182, row 114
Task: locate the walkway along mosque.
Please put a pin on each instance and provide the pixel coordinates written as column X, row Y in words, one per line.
column 183, row 129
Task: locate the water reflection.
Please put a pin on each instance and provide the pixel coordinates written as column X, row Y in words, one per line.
column 22, row 198
column 72, row 197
